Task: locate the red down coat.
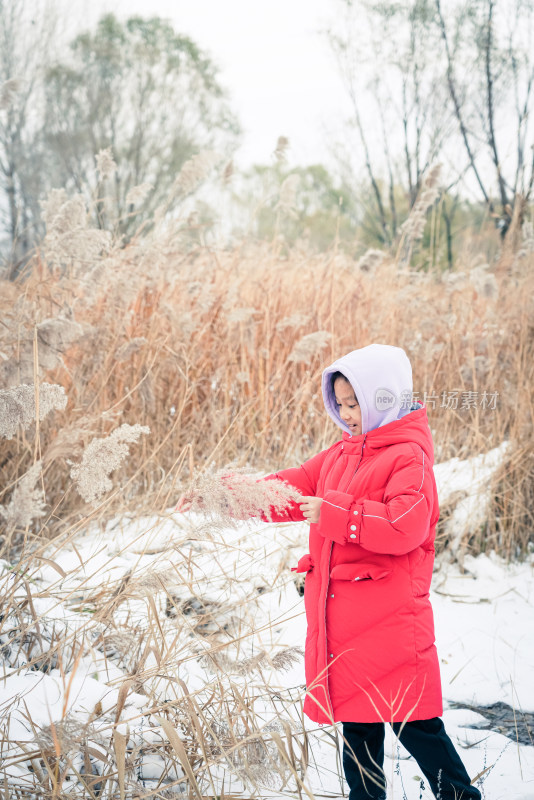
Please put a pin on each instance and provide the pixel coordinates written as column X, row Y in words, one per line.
column 370, row 654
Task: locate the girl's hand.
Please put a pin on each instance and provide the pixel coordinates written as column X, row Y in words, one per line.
column 311, row 508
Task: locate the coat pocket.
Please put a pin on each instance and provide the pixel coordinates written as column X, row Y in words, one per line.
column 305, row 564
column 359, row 571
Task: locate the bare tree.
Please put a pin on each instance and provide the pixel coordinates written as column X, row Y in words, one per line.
column 137, row 89
column 385, row 58
column 345, row 57
column 497, row 47
column 450, row 82
column 150, row 96
column 27, row 29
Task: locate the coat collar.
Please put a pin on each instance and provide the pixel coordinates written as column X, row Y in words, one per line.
column 413, row 427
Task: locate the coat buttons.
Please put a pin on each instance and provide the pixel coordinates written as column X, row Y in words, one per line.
column 353, row 527
column 331, row 595
column 355, row 513
column 353, row 536
column 331, row 655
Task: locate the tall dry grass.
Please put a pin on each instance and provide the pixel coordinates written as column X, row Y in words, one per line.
column 156, row 625
column 173, row 359
column 218, row 352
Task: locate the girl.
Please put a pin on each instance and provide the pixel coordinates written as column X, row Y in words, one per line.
column 372, row 505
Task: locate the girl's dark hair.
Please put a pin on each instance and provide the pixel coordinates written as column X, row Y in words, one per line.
column 334, row 376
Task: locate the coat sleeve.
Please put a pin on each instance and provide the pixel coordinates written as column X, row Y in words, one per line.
column 304, row 479
column 395, row 526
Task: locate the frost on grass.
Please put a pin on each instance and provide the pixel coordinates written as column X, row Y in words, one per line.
column 8, row 91
column 414, row 226
column 27, row 501
column 297, row 320
column 17, row 405
column 128, row 349
column 242, row 315
column 283, row 660
column 309, row 346
column 252, row 752
column 280, row 152
column 370, row 260
column 100, row 458
column 64, row 735
column 137, row 194
column 195, row 171
column 288, row 195
column 54, row 337
column 152, row 581
column 105, row 164
column 226, row 496
column 68, row 237
column 68, row 441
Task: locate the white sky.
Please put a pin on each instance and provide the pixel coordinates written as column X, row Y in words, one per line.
column 273, row 60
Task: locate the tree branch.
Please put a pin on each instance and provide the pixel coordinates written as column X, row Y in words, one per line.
column 456, row 103
column 490, row 109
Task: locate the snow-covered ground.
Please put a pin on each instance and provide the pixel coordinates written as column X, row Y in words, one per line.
column 135, row 609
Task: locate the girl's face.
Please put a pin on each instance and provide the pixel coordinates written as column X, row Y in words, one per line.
column 349, row 409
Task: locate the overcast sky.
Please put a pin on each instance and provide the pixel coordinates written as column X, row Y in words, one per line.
column 273, row 59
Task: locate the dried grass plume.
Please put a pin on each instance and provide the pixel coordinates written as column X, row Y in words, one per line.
column 105, row 164
column 138, row 193
column 414, row 226
column 17, row 405
column 68, row 236
column 100, row 458
column 195, row 171
column 8, row 92
column 27, row 502
column 230, row 496
column 309, row 346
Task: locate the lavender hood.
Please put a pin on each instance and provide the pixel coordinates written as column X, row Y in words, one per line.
column 381, row 376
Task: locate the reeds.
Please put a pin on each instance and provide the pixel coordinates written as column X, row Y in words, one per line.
column 156, row 731
column 215, row 356
column 219, row 353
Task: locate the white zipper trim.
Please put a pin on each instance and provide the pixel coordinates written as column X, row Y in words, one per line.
column 391, row 521
column 334, row 505
column 329, row 699
column 422, row 479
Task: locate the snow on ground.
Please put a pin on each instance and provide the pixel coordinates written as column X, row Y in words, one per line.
column 242, row 576
column 468, row 481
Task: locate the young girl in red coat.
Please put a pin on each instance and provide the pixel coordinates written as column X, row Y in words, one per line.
column 372, row 505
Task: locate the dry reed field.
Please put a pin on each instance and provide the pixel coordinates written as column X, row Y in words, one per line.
column 219, row 354
column 126, row 372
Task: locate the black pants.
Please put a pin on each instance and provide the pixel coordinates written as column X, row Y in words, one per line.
column 427, row 742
